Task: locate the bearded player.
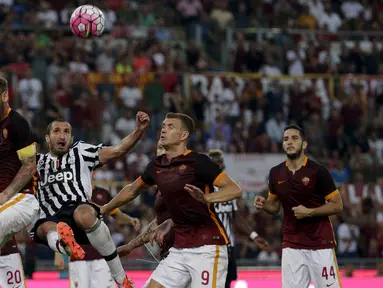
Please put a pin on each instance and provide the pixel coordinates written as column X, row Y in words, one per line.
column 18, row 206
column 199, row 254
column 67, row 216
column 93, row 271
column 308, row 196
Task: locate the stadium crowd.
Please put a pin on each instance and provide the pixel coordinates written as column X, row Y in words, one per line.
column 344, row 122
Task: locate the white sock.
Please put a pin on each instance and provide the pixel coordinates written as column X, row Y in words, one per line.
column 100, row 238
column 54, row 242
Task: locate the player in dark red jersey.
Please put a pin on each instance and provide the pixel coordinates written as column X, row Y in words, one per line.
column 93, row 271
column 162, row 214
column 18, row 206
column 308, row 196
column 199, row 253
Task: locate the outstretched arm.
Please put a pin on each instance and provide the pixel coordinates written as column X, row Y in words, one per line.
column 140, row 240
column 128, row 193
column 114, row 152
column 27, row 170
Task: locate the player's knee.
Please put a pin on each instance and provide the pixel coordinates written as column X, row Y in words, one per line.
column 85, row 216
column 44, row 228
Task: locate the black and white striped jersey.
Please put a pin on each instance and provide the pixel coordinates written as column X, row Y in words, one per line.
column 66, row 178
column 225, row 212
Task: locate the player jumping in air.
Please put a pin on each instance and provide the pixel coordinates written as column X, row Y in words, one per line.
column 199, row 255
column 93, row 271
column 308, row 196
column 232, row 219
column 18, row 205
column 67, row 216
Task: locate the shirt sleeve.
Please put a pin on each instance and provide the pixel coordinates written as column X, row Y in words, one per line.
column 23, row 137
column 272, row 193
column 210, row 172
column 325, row 183
column 147, row 177
column 90, row 153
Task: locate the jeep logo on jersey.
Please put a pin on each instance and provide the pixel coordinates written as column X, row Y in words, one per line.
column 62, row 176
column 224, row 207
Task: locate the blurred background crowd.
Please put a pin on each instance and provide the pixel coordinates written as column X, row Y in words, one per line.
column 313, row 62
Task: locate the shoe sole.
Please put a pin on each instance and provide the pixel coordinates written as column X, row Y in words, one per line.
column 69, row 243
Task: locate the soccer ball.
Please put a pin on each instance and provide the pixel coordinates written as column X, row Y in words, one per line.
column 87, row 21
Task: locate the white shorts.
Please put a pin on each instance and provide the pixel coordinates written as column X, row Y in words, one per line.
column 201, row 267
column 299, row 266
column 16, row 214
column 90, row 274
column 11, row 271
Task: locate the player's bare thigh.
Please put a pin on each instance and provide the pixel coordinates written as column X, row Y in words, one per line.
column 154, row 284
column 11, row 271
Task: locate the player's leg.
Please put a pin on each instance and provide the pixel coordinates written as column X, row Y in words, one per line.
column 87, row 219
column 100, row 274
column 79, row 276
column 295, row 273
column 323, row 268
column 232, row 267
column 11, row 271
column 58, row 236
column 171, row 272
column 207, row 266
column 17, row 214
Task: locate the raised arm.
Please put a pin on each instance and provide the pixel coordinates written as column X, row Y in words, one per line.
column 114, row 152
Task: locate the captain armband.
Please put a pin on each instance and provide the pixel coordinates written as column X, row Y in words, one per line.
column 27, row 152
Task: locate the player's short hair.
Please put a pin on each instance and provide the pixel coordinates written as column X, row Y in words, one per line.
column 3, row 85
column 296, row 127
column 215, row 153
column 49, row 127
column 186, row 120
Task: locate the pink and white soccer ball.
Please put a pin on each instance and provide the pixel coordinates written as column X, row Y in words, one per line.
column 87, row 21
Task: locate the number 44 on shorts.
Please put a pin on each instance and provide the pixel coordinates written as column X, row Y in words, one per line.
column 326, row 275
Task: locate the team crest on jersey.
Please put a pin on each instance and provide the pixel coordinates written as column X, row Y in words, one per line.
column 71, row 160
column 182, row 169
column 5, row 133
column 305, row 181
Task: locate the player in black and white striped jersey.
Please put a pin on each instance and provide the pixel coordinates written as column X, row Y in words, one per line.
column 232, row 221
column 68, row 218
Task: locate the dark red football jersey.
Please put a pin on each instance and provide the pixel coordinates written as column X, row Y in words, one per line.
column 100, row 197
column 310, row 186
column 15, row 134
column 162, row 214
column 196, row 223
